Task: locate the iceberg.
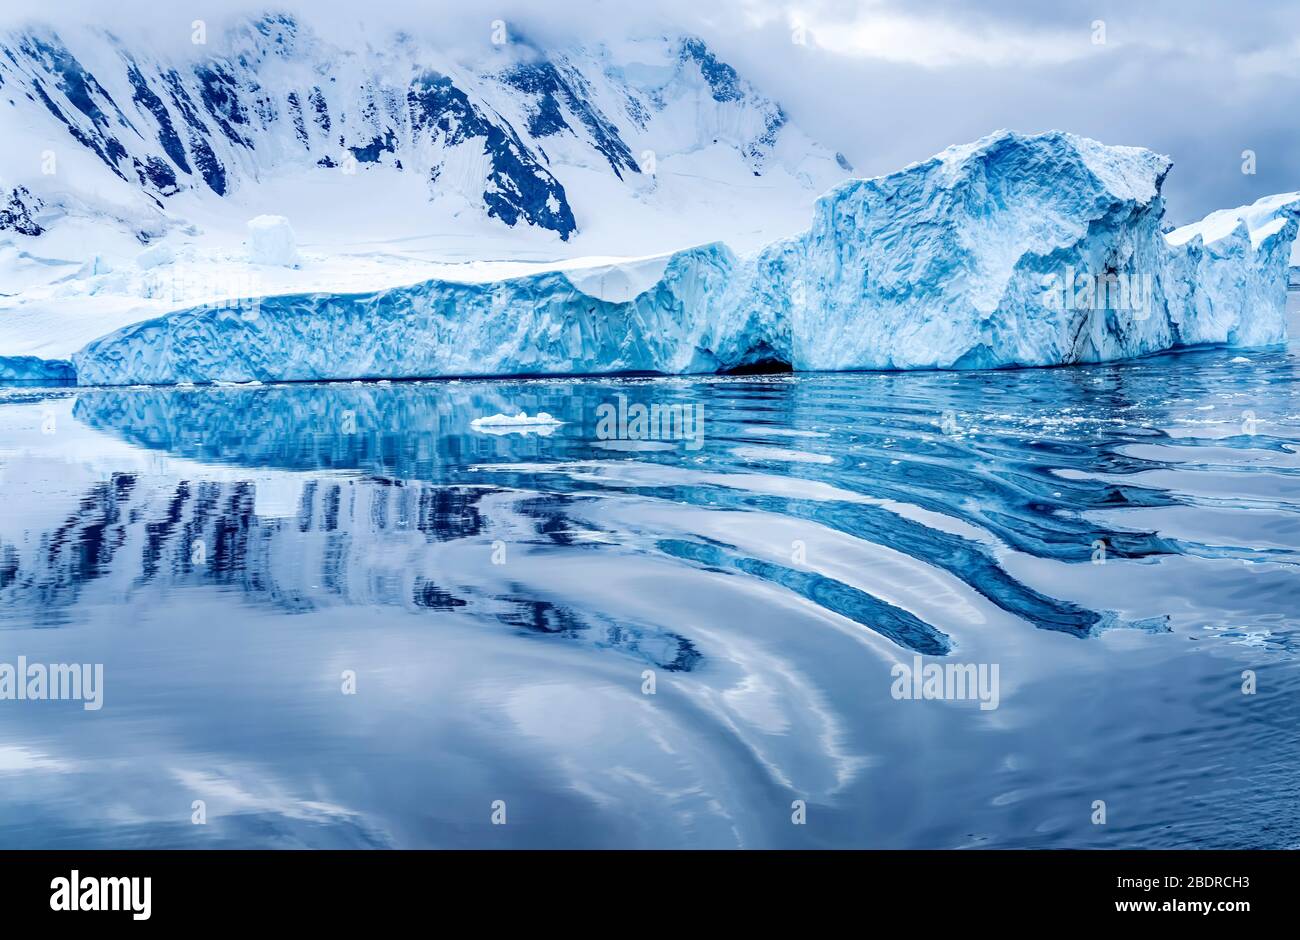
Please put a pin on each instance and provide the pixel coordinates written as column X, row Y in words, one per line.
column 1022, row 251
column 523, row 419
column 1015, row 250
column 533, row 325
column 541, row 423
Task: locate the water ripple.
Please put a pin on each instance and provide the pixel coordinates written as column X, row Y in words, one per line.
column 1122, row 540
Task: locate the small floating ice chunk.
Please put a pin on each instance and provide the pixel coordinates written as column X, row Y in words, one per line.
column 1239, row 359
column 520, row 420
column 541, row 422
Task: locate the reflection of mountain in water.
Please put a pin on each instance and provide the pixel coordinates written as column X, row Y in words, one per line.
column 298, row 544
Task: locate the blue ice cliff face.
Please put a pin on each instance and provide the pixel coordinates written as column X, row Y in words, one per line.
column 1011, row 251
column 1018, row 251
column 31, row 370
column 540, row 324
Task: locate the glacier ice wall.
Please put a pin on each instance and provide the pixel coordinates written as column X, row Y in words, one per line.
column 1019, row 251
column 1011, row 251
column 538, row 324
column 31, row 370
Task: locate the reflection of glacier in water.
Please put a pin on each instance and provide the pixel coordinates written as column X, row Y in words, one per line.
column 504, row 600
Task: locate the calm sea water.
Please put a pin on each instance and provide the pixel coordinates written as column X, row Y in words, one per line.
column 338, row 615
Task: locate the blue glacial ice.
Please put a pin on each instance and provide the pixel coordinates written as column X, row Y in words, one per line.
column 32, row 370
column 1011, row 251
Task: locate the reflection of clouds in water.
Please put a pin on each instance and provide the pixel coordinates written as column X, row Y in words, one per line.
column 144, row 801
column 247, row 790
column 785, row 721
column 762, row 454
column 16, row 759
column 618, row 752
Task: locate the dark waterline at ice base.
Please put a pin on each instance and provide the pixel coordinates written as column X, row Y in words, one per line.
column 1121, row 542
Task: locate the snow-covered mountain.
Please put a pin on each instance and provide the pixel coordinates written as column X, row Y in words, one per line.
column 270, row 114
column 130, row 166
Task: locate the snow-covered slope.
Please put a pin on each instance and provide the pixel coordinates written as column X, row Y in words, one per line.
column 149, row 138
column 1013, row 250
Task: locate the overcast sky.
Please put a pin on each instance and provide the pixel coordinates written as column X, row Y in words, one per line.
column 891, row 81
